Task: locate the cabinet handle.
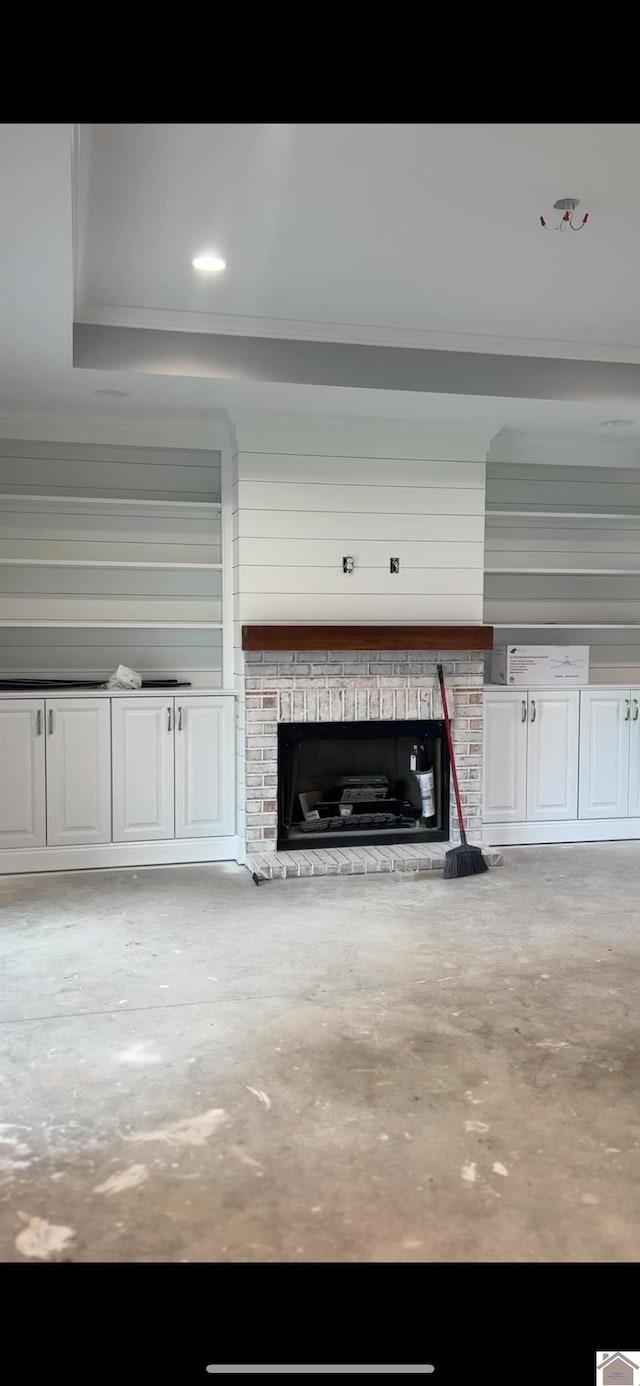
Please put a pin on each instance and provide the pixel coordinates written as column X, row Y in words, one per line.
column 533, row 709
column 168, row 719
column 51, row 721
column 38, row 723
column 524, row 710
column 627, row 714
column 635, row 704
column 179, row 719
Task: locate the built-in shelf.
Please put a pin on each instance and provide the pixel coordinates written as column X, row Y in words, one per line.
column 563, row 543
column 564, row 514
column 109, row 555
column 103, row 563
column 61, row 497
column 117, row 625
column 569, row 572
column 566, row 625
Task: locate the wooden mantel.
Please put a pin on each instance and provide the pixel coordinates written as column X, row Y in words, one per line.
column 367, row 637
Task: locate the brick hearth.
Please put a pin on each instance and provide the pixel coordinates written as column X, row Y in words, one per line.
column 354, row 861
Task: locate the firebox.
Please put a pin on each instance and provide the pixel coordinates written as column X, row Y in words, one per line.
column 358, row 783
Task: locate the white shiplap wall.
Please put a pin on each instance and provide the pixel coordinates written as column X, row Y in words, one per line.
column 307, row 491
column 299, row 510
column 575, row 559
column 86, row 533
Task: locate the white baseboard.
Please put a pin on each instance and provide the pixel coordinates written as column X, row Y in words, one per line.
column 165, row 853
column 582, row 830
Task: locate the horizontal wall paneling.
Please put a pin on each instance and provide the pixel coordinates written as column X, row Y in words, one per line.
column 297, row 515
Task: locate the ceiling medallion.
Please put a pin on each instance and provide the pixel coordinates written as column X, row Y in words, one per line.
column 567, row 205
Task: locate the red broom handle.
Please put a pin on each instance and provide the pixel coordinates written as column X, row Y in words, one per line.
column 452, row 759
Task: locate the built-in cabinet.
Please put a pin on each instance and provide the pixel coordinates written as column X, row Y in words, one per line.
column 143, row 769
column 609, row 753
column 561, row 766
column 95, row 772
column 78, row 760
column 22, row 783
column 505, row 757
column 204, row 767
column 172, row 767
column 531, row 756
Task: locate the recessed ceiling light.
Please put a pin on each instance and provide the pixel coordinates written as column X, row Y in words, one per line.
column 209, row 264
column 112, row 394
column 617, row 423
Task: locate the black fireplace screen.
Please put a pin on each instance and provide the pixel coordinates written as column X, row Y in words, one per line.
column 359, row 783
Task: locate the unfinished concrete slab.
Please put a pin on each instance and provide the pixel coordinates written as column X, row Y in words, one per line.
column 384, row 1067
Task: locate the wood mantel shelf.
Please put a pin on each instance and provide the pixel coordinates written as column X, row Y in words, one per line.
column 367, row 637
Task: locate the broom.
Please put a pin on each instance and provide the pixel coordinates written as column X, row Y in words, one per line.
column 464, row 860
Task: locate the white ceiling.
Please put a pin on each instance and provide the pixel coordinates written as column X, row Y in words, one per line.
column 428, row 229
column 37, row 379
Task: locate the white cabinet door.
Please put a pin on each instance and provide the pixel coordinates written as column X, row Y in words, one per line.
column 604, row 753
column 22, row 807
column 205, row 779
column 634, row 755
column 505, row 756
column 142, row 760
column 552, row 755
column 78, row 771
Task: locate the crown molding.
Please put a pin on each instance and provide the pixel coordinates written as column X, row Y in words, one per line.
column 291, row 329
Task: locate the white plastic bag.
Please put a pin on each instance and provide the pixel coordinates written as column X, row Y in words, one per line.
column 125, row 678
column 427, row 796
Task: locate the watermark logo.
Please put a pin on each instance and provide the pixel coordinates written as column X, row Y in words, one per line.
column 618, row 1368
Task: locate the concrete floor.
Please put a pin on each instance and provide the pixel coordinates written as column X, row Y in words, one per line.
column 388, row 1068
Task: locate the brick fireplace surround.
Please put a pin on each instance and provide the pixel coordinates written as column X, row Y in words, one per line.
column 347, row 686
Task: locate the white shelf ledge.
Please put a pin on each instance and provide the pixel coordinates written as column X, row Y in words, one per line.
column 568, row 625
column 563, row 514
column 37, row 498
column 569, row 572
column 102, row 563
column 103, row 692
column 116, row 625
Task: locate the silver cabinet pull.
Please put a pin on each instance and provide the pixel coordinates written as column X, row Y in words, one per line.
column 524, row 710
column 627, row 714
column 168, row 719
column 179, row 719
column 51, row 721
column 635, row 714
column 38, row 723
column 533, row 709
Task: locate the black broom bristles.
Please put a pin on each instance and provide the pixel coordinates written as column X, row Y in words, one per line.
column 464, row 860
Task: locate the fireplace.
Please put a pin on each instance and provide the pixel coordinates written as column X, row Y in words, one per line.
column 333, row 692
column 360, row 783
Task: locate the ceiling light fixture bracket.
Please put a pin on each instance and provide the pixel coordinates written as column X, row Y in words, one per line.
column 567, row 205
